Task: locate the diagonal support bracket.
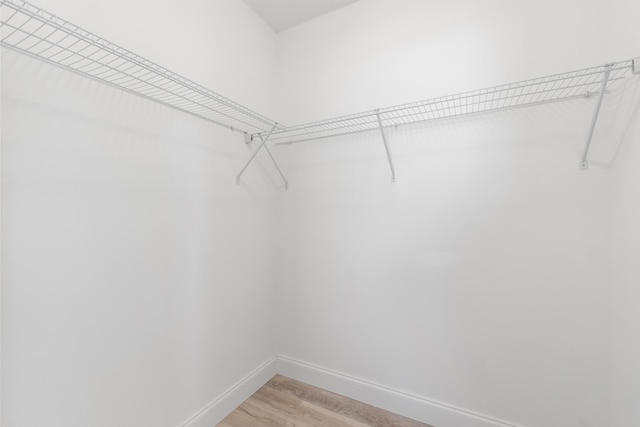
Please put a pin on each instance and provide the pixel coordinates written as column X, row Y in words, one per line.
column 255, row 153
column 584, row 164
column 386, row 147
column 286, row 184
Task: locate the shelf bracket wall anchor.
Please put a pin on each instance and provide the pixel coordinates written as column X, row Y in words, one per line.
column 386, row 147
column 584, row 164
column 255, row 153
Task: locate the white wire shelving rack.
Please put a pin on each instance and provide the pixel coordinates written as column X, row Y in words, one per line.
column 35, row 32
column 585, row 83
column 558, row 87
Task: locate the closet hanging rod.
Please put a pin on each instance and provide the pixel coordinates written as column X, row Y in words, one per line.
column 557, row 87
column 33, row 31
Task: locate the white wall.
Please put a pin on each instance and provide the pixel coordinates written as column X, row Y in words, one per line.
column 481, row 279
column 625, row 301
column 139, row 281
column 477, row 280
column 376, row 53
column 220, row 44
column 137, row 277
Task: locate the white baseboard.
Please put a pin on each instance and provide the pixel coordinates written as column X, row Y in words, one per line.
column 428, row 411
column 224, row 404
column 412, row 406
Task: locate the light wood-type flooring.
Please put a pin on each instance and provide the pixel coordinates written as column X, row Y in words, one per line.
column 286, row 402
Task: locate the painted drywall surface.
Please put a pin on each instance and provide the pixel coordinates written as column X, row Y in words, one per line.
column 376, row 53
column 625, row 302
column 137, row 277
column 480, row 278
column 1, row 258
column 625, row 298
column 624, row 37
column 580, row 56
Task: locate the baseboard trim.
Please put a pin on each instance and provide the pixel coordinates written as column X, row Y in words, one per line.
column 224, row 404
column 409, row 405
column 419, row 408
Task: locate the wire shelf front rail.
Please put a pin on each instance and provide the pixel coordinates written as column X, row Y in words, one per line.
column 35, row 32
column 558, row 87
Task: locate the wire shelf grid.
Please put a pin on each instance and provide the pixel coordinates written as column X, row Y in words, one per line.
column 557, row 87
column 35, row 32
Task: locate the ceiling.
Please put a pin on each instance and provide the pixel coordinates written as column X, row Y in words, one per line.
column 284, row 14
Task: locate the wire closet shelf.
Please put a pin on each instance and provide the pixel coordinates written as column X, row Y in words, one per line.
column 35, row 32
column 558, row 87
column 29, row 29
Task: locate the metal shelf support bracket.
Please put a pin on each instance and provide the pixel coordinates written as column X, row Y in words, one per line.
column 286, row 184
column 255, row 153
column 386, row 147
column 584, row 164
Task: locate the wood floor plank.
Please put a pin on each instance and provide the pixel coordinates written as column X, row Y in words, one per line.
column 286, row 402
column 333, row 418
column 280, row 404
column 298, row 413
column 239, row 418
column 354, row 409
column 266, row 415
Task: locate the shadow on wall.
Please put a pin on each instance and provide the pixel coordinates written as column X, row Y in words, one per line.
column 35, row 82
column 153, row 132
column 497, row 134
column 627, row 112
